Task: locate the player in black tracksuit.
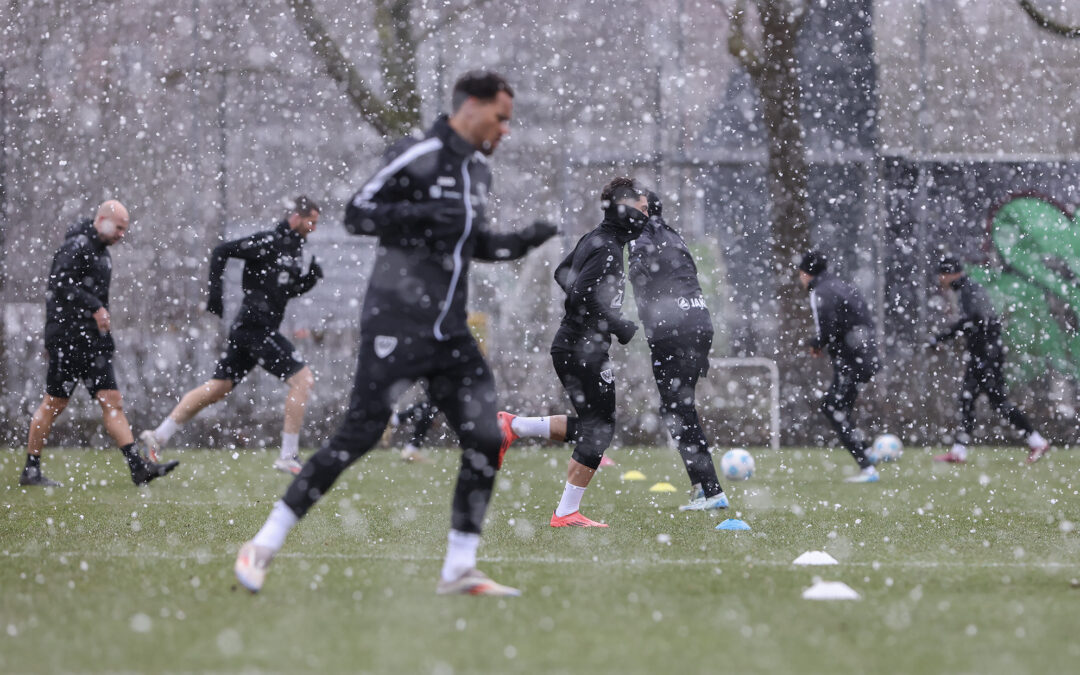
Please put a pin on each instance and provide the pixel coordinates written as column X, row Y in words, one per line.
column 78, row 339
column 273, row 275
column 985, row 357
column 679, row 330
column 428, row 208
column 593, row 278
column 844, row 329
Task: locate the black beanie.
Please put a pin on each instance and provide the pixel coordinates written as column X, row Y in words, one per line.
column 813, row 263
column 949, row 265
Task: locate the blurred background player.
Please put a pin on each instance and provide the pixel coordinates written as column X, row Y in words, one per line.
column 985, row 356
column 592, row 277
column 78, row 339
column 427, row 206
column 273, row 274
column 845, row 330
column 678, row 328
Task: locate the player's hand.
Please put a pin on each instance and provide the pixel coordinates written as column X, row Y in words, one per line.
column 539, row 232
column 625, row 332
column 215, row 306
column 101, row 316
column 815, row 352
column 315, row 270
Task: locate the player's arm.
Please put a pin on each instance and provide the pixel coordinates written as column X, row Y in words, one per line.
column 827, row 318
column 71, row 264
column 640, row 267
column 247, row 248
column 498, row 246
column 596, row 288
column 387, row 206
column 307, row 280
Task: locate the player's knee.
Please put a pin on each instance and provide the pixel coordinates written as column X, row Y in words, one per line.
column 110, row 400
column 303, row 380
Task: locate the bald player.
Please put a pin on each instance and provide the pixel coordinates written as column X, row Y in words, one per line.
column 78, row 339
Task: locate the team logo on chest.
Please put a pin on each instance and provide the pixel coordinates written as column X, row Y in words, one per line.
column 607, row 375
column 384, row 344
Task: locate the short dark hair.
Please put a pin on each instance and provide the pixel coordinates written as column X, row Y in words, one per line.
column 482, row 84
column 304, row 205
column 950, row 265
column 618, row 189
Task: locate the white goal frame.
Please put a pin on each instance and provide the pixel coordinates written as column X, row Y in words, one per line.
column 774, row 387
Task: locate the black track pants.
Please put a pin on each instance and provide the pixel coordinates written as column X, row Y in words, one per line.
column 984, row 377
column 677, row 365
column 838, row 405
column 461, row 386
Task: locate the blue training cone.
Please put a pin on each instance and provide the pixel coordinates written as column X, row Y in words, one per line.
column 733, row 524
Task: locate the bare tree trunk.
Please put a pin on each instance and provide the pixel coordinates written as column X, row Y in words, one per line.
column 774, row 69
column 386, row 119
column 1047, row 23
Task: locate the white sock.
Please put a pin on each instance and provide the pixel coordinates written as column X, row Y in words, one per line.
column 571, row 500
column 1035, row 440
column 959, row 450
column 290, row 445
column 276, row 528
column 166, row 430
column 409, row 449
column 460, row 554
column 532, row 427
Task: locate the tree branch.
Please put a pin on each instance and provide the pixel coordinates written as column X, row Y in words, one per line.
column 374, row 111
column 1047, row 23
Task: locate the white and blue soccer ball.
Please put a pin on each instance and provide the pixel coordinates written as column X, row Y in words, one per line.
column 737, row 464
column 886, row 448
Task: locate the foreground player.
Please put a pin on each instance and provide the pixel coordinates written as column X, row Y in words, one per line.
column 428, row 208
column 845, row 330
column 592, row 277
column 678, row 328
column 272, row 276
column 980, row 325
column 78, row 338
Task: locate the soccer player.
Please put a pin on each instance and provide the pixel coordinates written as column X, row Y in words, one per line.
column 678, row 328
column 593, row 278
column 980, row 325
column 273, row 274
column 845, row 330
column 428, row 208
column 79, row 341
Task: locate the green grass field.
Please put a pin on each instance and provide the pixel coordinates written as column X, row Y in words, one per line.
column 968, row 569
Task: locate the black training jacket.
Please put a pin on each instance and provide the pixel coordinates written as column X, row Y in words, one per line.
column 272, row 275
column 420, row 282
column 78, row 286
column 592, row 277
column 844, row 325
column 666, row 289
column 978, row 321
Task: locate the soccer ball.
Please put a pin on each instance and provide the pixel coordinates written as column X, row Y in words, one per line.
column 737, row 464
column 886, row 448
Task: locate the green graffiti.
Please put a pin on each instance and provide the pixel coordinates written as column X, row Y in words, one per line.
column 1037, row 286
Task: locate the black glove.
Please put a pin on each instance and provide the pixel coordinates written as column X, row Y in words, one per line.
column 214, row 305
column 539, row 232
column 625, row 331
column 314, row 269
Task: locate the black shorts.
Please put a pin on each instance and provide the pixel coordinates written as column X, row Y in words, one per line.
column 70, row 364
column 247, row 349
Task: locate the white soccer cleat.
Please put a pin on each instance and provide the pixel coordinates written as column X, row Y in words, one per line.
column 251, row 564
column 867, row 475
column 475, row 582
column 290, row 465
column 152, row 444
column 700, row 503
